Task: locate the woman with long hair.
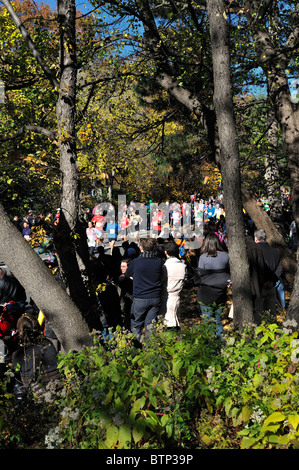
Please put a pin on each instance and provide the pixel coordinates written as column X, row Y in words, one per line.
column 213, row 279
column 35, row 360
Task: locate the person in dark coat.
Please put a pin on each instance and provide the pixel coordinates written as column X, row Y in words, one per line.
column 256, row 266
column 213, row 279
column 11, row 289
column 35, row 360
column 126, row 293
column 271, row 274
column 146, row 272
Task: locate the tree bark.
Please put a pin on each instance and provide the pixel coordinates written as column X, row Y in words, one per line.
column 274, row 237
column 272, row 175
column 60, row 311
column 208, row 120
column 69, row 237
column 230, row 169
column 274, row 62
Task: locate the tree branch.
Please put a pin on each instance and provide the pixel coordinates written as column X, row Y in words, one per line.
column 293, row 39
column 47, row 71
column 31, row 128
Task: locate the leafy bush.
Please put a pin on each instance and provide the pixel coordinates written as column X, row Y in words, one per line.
column 186, row 389
column 255, row 384
column 117, row 395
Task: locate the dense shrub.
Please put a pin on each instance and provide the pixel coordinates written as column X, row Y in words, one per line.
column 185, row 389
column 129, row 397
column 256, row 385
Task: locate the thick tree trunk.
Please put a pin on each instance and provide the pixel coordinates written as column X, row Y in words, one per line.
column 60, row 311
column 230, row 170
column 71, row 250
column 274, row 237
column 275, row 63
column 70, row 237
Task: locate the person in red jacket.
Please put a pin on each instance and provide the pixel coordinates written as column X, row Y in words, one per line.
column 11, row 312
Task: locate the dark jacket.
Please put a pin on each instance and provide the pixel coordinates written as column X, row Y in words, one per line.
column 11, row 289
column 146, row 271
column 256, row 266
column 33, row 364
column 33, row 361
column 273, row 263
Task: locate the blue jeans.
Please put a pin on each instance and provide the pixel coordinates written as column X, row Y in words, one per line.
column 143, row 312
column 280, row 294
column 213, row 312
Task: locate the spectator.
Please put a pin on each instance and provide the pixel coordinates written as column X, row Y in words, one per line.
column 213, row 279
column 126, row 293
column 11, row 289
column 35, row 359
column 11, row 312
column 272, row 274
column 146, row 272
column 31, row 218
column 27, row 231
column 173, row 275
column 17, row 223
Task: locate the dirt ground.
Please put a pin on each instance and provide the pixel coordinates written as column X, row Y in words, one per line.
column 190, row 310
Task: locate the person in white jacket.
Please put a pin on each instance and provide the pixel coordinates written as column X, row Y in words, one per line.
column 173, row 275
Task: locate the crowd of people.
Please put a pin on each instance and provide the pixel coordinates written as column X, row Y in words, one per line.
column 183, row 245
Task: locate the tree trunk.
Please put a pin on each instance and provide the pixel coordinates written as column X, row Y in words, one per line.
column 70, row 236
column 274, row 237
column 275, row 63
column 272, row 175
column 60, row 311
column 230, row 170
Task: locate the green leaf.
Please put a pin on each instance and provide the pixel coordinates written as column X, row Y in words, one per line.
column 166, row 387
column 257, row 380
column 294, row 421
column 248, row 442
column 228, row 403
column 177, row 366
column 281, row 440
column 138, row 430
column 246, row 413
column 270, row 428
column 124, row 437
column 270, row 422
column 111, row 436
column 138, row 404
